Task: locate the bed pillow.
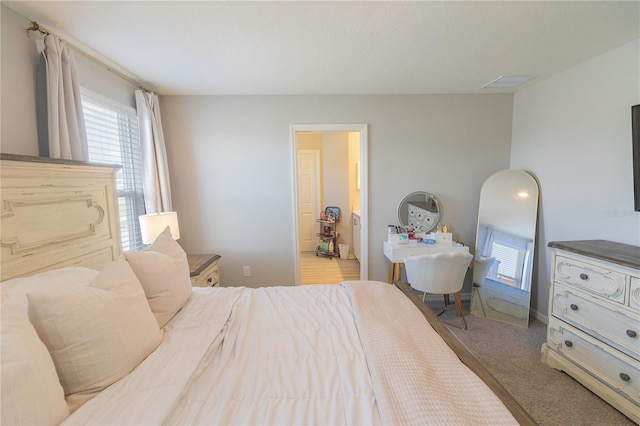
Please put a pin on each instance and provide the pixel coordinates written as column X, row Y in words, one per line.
column 73, row 276
column 95, row 334
column 163, row 271
column 31, row 391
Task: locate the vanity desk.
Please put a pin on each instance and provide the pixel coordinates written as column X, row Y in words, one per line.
column 397, row 253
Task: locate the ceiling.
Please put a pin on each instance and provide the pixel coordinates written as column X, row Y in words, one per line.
column 337, row 48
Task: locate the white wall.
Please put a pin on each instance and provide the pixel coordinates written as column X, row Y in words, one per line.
column 573, row 133
column 18, row 134
column 230, row 159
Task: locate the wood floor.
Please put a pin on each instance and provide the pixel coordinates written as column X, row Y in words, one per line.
column 323, row 270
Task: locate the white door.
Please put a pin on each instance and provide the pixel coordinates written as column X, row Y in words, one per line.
column 307, row 199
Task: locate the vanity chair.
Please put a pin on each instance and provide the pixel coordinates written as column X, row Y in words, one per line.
column 481, row 268
column 439, row 273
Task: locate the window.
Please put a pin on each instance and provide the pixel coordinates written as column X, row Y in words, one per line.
column 511, row 263
column 112, row 134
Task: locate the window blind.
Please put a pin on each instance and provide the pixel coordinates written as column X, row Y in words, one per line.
column 511, row 260
column 113, row 137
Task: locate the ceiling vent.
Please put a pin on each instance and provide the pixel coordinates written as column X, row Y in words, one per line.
column 507, row 81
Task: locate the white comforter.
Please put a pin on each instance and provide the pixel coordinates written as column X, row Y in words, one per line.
column 358, row 353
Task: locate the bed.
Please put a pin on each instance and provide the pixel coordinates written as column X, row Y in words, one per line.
column 273, row 355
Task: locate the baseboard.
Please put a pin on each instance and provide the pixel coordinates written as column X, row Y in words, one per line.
column 539, row 316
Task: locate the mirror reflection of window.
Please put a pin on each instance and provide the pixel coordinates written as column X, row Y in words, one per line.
column 512, row 254
column 510, row 263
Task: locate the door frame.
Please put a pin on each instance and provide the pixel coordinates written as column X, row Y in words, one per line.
column 364, row 189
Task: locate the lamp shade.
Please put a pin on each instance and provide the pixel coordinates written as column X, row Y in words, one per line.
column 151, row 225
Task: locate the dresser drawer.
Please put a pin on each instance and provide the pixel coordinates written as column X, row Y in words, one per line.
column 618, row 326
column 592, row 278
column 209, row 277
column 204, row 270
column 634, row 294
column 618, row 371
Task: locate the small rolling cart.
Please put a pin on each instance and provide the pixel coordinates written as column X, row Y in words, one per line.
column 328, row 235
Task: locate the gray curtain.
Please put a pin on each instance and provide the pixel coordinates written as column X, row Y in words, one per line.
column 156, row 186
column 61, row 127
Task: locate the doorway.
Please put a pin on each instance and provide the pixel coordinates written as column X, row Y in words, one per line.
column 330, row 169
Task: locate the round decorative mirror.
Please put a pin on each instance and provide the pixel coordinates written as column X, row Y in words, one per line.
column 420, row 211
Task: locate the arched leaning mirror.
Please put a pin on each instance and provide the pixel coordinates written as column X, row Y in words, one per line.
column 505, row 241
column 420, row 211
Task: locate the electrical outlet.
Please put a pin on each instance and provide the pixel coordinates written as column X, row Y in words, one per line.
column 247, row 271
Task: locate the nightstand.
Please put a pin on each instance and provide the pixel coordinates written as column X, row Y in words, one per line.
column 203, row 269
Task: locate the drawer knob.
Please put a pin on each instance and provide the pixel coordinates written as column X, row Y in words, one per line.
column 631, row 333
column 568, row 343
column 625, row 377
column 584, row 277
column 573, row 307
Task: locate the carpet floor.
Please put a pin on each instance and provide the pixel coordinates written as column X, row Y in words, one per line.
column 512, row 355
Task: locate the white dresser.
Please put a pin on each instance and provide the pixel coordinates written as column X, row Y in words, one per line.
column 594, row 319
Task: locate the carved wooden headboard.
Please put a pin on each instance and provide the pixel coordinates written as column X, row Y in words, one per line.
column 56, row 213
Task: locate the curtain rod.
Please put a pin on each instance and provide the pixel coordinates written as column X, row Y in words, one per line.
column 37, row 27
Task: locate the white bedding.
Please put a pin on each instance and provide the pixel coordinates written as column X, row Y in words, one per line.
column 358, row 353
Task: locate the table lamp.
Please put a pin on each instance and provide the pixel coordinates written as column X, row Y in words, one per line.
column 151, row 225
